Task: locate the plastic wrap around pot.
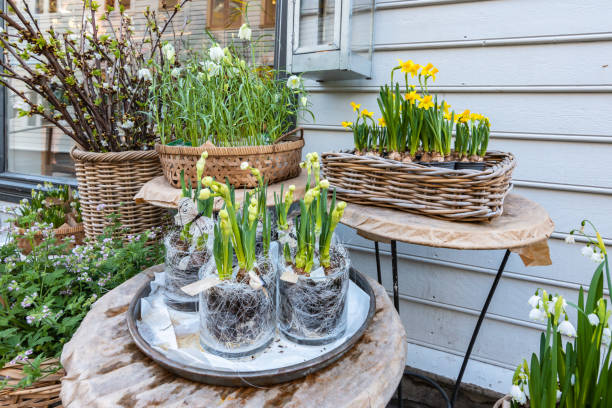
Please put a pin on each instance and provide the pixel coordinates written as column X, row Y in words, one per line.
column 182, row 267
column 237, row 320
column 313, row 309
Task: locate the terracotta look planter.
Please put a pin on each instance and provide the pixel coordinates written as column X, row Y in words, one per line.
column 108, row 183
column 277, row 162
column 62, row 232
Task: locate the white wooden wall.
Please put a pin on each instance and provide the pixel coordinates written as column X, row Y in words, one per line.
column 542, row 71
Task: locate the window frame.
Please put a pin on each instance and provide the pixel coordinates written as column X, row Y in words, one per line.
column 209, row 14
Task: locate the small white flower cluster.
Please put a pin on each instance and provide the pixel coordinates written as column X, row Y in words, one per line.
column 593, row 253
column 245, row 32
column 546, row 306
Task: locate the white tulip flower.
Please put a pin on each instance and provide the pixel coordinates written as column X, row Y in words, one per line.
column 294, row 82
column 593, row 319
column 144, row 74
column 534, row 301
column 216, row 53
column 570, row 239
column 245, row 32
column 518, row 395
column 169, row 52
column 605, row 337
column 567, row 329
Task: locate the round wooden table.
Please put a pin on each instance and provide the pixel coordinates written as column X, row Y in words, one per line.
column 104, row 368
column 524, row 228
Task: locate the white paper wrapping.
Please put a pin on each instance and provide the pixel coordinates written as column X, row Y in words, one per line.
column 175, row 334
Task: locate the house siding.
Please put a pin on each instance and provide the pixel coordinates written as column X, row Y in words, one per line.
column 542, row 71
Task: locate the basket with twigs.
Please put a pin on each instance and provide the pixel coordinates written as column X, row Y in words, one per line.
column 44, row 393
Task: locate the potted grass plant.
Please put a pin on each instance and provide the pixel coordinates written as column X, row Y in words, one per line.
column 237, row 294
column 187, row 248
column 313, row 282
column 95, row 86
column 235, row 110
column 53, row 208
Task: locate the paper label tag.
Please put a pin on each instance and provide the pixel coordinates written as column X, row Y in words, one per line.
column 255, row 281
column 289, row 276
column 200, row 286
column 183, row 263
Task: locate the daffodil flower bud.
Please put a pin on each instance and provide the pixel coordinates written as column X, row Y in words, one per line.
column 324, row 184
column 204, row 194
column 215, row 187
column 204, row 155
column 303, row 165
column 338, row 212
column 255, row 172
column 207, row 181
column 292, row 188
column 223, row 214
column 200, row 167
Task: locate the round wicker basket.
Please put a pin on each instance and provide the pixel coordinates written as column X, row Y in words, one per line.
column 108, row 183
column 60, row 233
column 277, row 162
column 460, row 195
column 42, row 394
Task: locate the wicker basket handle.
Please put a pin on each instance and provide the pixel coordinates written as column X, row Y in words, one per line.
column 289, row 135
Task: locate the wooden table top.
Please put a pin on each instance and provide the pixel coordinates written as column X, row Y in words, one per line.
column 105, row 368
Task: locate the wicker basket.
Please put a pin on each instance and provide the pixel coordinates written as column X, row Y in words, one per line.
column 62, row 232
column 460, row 195
column 108, row 183
column 42, row 394
column 277, row 162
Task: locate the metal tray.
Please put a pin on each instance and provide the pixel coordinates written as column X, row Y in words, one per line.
column 248, row 378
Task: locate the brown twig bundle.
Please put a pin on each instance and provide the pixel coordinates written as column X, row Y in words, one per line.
column 95, row 85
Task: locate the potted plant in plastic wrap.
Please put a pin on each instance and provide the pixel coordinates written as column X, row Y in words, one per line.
column 314, row 281
column 237, row 293
column 186, row 248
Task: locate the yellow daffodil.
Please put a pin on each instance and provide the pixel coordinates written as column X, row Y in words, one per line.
column 433, row 73
column 412, row 97
column 382, row 122
column 445, row 107
column 409, row 67
column 426, row 102
column 425, row 71
column 448, row 116
column 355, row 106
column 464, row 117
column 347, row 124
column 367, row 113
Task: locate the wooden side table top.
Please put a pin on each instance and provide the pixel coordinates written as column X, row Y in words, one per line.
column 523, row 223
column 105, row 368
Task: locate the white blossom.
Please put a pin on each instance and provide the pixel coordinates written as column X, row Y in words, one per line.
column 593, row 319
column 244, row 165
column 176, row 72
column 169, row 52
column 294, row 82
column 534, row 301
column 128, row 124
column 538, row 315
column 597, row 257
column 145, row 74
column 216, row 53
column 518, row 395
column 605, row 336
column 21, row 105
column 245, row 32
column 570, row 239
column 567, row 329
column 587, row 251
column 211, row 68
column 304, row 100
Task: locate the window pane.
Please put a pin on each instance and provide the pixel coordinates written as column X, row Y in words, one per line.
column 316, row 22
column 40, row 6
column 269, row 13
column 52, row 6
column 217, row 11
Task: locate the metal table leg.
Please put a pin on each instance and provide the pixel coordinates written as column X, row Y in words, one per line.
column 483, row 312
column 450, row 402
column 378, row 262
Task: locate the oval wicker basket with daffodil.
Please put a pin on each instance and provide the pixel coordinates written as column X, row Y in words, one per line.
column 420, row 156
column 236, row 111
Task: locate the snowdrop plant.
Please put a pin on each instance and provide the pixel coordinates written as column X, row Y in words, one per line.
column 577, row 373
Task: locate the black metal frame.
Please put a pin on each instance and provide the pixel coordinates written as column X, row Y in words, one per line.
column 449, row 401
